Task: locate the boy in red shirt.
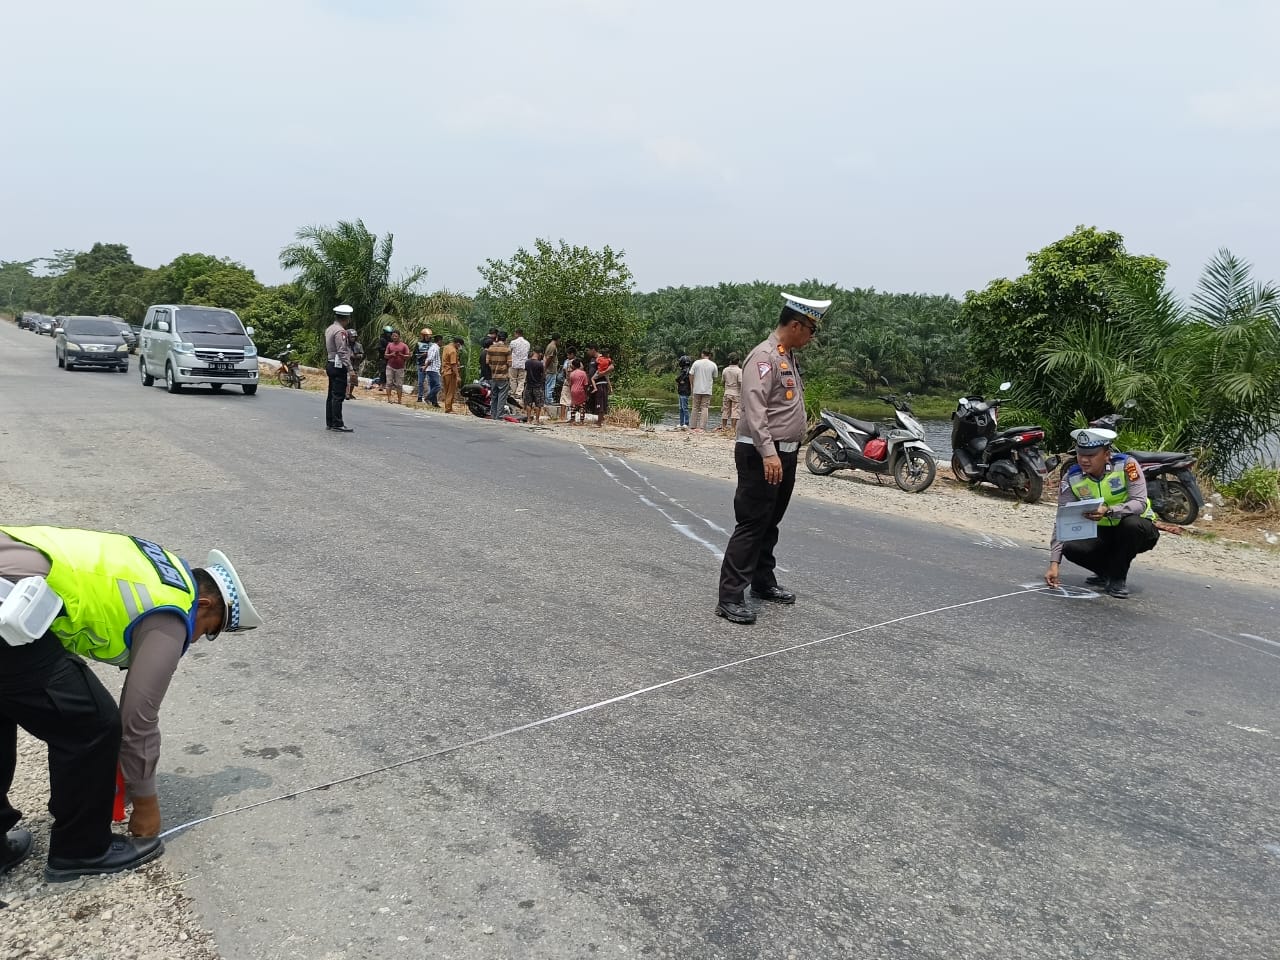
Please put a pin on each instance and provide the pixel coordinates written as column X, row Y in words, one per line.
column 397, row 355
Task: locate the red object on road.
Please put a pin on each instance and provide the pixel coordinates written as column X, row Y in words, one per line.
column 117, row 811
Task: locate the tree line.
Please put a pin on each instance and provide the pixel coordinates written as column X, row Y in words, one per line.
column 1086, row 327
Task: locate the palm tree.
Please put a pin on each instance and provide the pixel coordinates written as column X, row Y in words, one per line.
column 1206, row 374
column 346, row 263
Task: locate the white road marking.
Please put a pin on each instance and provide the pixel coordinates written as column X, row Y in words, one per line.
column 1247, row 646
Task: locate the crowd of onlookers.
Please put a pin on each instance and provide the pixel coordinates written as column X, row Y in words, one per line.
column 515, row 372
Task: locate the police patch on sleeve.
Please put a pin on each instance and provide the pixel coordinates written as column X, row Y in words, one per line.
column 165, row 570
column 765, row 368
column 1131, row 470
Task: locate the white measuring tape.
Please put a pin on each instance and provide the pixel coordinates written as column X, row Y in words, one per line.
column 443, row 751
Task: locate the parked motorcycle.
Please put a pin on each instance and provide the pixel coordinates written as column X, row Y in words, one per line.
column 477, row 396
column 1171, row 484
column 288, row 373
column 838, row 442
column 1011, row 459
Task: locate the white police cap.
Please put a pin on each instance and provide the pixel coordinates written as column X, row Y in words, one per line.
column 343, row 310
column 814, row 309
column 239, row 613
column 1093, row 437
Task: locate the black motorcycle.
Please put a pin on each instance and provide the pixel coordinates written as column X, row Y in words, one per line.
column 1171, row 485
column 478, row 397
column 1010, row 459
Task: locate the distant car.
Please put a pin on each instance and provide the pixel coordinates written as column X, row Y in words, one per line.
column 90, row 342
column 46, row 324
column 127, row 331
column 27, row 321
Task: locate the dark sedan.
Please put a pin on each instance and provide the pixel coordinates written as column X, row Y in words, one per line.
column 90, row 342
column 130, row 335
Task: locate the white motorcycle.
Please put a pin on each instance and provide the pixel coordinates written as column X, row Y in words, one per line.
column 839, row 442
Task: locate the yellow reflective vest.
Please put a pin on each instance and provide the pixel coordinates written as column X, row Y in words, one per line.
column 1112, row 488
column 109, row 583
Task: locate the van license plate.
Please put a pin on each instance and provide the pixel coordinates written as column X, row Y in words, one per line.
column 221, row 367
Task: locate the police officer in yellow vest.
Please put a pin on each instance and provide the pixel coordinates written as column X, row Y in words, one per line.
column 1126, row 522
column 123, row 601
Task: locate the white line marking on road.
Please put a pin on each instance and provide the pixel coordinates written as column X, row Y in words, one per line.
column 1253, row 636
column 1249, row 729
column 682, row 528
column 1247, row 646
column 533, row 724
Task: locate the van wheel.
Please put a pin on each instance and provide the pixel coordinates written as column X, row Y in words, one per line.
column 147, row 379
column 170, row 384
column 249, row 389
column 215, row 387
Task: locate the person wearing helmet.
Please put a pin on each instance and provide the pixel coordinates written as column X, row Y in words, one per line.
column 337, row 348
column 684, row 387
column 1126, row 522
column 120, row 600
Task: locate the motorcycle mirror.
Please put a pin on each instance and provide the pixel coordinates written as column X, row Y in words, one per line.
column 1005, row 386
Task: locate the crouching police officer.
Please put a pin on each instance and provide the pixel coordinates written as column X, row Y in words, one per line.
column 119, row 600
column 1125, row 520
column 770, row 432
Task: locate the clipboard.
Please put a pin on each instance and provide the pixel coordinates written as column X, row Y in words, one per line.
column 1072, row 522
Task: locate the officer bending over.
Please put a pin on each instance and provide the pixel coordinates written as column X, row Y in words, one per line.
column 120, row 600
column 1125, row 520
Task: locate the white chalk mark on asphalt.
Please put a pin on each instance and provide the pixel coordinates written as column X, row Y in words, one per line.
column 599, row 704
column 1249, row 729
column 683, row 529
column 1254, row 636
column 1066, row 592
column 1238, row 643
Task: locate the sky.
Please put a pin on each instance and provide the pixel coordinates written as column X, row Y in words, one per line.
column 913, row 146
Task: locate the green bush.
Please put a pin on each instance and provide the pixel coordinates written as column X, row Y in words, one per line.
column 1258, row 488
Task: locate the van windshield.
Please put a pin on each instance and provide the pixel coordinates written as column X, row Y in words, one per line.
column 209, row 321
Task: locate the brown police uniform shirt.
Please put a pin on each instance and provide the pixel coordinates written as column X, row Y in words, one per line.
column 449, row 359
column 772, row 398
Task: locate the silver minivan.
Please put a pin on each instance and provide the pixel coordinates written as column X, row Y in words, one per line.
column 190, row 344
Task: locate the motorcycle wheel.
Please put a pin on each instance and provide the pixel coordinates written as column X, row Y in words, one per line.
column 914, row 471
column 814, row 460
column 957, row 467
column 1174, row 504
column 282, row 375
column 1033, row 489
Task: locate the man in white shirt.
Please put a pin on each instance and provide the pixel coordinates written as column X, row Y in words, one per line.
column 519, row 357
column 703, row 374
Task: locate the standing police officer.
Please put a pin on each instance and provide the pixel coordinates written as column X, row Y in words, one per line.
column 771, row 429
column 337, row 349
column 1126, row 522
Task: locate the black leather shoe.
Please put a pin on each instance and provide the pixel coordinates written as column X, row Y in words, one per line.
column 1096, row 581
column 736, row 612
column 125, row 853
column 15, row 848
column 1118, row 589
column 343, row 429
column 774, row 595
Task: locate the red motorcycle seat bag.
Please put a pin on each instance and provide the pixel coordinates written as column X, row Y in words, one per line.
column 875, row 449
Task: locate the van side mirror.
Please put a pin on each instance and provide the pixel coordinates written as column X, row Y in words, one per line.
column 56, row 331
column 162, row 326
column 249, row 331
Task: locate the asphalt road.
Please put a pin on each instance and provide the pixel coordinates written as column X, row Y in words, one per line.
column 1031, row 776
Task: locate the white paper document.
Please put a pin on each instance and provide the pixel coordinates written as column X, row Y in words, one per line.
column 1072, row 523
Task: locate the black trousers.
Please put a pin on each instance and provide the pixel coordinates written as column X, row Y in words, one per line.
column 1110, row 553
column 337, row 393
column 61, row 702
column 758, row 507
